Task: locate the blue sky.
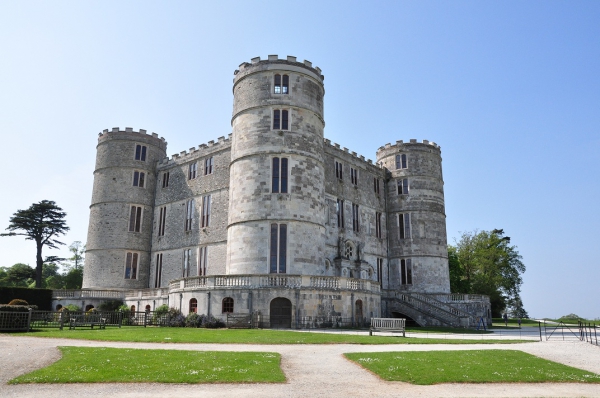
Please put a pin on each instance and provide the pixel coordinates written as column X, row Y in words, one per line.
column 510, row 90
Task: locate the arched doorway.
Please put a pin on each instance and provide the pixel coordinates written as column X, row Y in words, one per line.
column 358, row 312
column 281, row 313
column 88, row 307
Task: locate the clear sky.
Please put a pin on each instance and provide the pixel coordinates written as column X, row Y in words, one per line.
column 510, row 90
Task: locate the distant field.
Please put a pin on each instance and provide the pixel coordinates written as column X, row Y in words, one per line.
column 120, row 365
column 481, row 366
column 241, row 336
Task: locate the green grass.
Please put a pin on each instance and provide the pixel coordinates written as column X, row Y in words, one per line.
column 498, row 323
column 119, row 365
column 239, row 336
column 481, row 366
column 449, row 330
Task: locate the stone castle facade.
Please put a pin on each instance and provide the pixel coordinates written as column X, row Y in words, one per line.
column 274, row 219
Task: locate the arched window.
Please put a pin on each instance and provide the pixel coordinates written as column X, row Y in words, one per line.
column 227, row 305
column 58, row 307
column 148, row 308
column 193, row 305
column 133, row 308
column 88, row 307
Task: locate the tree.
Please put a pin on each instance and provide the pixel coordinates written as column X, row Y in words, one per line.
column 42, row 222
column 484, row 262
column 17, row 275
column 77, row 258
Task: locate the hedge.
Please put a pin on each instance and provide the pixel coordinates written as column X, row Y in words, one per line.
column 42, row 298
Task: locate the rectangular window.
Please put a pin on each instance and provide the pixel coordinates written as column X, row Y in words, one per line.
column 379, row 269
column 189, row 214
column 135, row 219
column 280, row 88
column 140, row 152
column 277, row 84
column 406, row 271
column 202, row 260
column 165, row 179
column 401, row 161
column 205, row 217
column 285, row 85
column 280, row 119
column 276, row 119
column 339, row 170
column 139, row 178
column 131, row 263
column 279, row 177
column 340, row 213
column 378, row 225
column 278, row 249
column 187, row 255
column 158, row 276
column 403, row 186
column 162, row 216
column 354, row 217
column 208, row 166
column 376, row 185
column 354, row 176
column 404, row 225
column 192, row 169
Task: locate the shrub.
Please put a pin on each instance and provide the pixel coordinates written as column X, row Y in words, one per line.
column 176, row 318
column 159, row 317
column 16, row 308
column 110, row 305
column 18, row 302
column 42, row 298
column 193, row 320
column 212, row 323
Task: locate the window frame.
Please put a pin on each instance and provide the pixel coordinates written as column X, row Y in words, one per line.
column 205, row 211
column 139, row 179
column 281, row 87
column 340, row 213
column 354, row 176
column 193, row 305
column 339, row 170
column 140, row 152
column 158, row 270
column 406, row 272
column 279, row 174
column 380, row 270
column 376, row 185
column 378, row 230
column 355, row 218
column 162, row 219
column 132, row 261
column 189, row 214
column 278, row 245
column 192, row 171
column 202, row 260
column 187, row 260
column 401, row 161
column 403, row 186
column 208, row 165
column 404, row 227
column 227, row 305
column 281, row 119
column 165, row 179
column 136, row 218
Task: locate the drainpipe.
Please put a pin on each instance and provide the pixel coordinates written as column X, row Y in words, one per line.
column 208, row 304
column 180, row 302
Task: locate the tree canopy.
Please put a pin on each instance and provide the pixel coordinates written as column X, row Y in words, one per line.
column 42, row 222
column 484, row 262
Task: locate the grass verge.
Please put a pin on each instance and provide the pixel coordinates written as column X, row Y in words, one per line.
column 241, row 336
column 479, row 366
column 119, row 365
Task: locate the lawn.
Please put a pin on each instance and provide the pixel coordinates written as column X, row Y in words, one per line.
column 240, row 336
column 480, row 366
column 121, row 365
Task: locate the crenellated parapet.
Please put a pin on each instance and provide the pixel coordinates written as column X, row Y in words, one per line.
column 212, row 146
column 129, row 134
column 273, row 62
column 340, row 151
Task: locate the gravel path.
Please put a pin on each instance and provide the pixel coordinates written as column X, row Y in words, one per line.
column 311, row 370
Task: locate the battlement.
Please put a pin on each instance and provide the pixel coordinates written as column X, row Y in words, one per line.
column 128, row 130
column 202, row 150
column 336, row 147
column 274, row 59
column 401, row 143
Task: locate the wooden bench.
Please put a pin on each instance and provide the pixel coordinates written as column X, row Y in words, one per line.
column 90, row 320
column 388, row 325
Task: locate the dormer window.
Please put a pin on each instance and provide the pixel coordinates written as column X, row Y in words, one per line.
column 281, row 84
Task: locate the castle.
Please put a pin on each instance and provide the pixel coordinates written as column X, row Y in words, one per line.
column 273, row 220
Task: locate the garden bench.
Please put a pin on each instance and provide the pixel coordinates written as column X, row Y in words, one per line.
column 387, row 325
column 90, row 320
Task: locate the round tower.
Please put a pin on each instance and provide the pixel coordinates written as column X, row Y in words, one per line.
column 276, row 217
column 416, row 217
column 120, row 228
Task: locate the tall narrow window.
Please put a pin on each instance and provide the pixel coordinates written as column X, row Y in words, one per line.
column 279, row 177
column 378, row 225
column 376, row 185
column 353, row 176
column 404, row 225
column 139, row 178
column 403, row 186
column 202, row 260
column 193, row 305
column 131, row 263
column 277, row 84
column 192, row 169
column 189, row 214
column 158, row 276
column 379, row 269
column 340, row 213
column 284, row 119
column 406, row 271
column 135, row 219
column 205, row 217
column 401, row 161
column 165, row 179
column 339, row 170
column 276, row 119
column 354, row 217
column 140, row 152
column 208, row 166
column 278, row 249
column 281, row 119
column 286, row 84
column 162, row 216
column 187, row 257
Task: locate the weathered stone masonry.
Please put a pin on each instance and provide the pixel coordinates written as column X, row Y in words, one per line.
column 264, row 241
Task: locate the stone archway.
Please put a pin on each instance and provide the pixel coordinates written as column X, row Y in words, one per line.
column 280, row 313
